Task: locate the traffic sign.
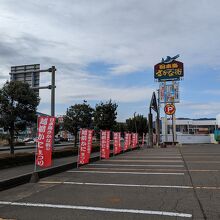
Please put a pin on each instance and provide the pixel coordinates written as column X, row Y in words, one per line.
column 28, row 74
column 169, row 109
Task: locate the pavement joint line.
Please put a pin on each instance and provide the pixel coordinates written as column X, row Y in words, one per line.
column 101, row 209
column 174, row 170
column 137, row 165
column 203, row 161
column 130, row 185
column 194, row 187
column 149, row 161
column 116, row 184
column 206, row 153
column 131, row 173
column 189, row 156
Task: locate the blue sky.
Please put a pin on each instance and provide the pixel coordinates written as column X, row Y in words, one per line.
column 107, row 49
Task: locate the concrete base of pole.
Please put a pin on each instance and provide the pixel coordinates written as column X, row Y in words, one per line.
column 34, row 177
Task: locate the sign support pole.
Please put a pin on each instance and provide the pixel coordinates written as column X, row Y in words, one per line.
column 173, row 117
column 165, row 96
column 174, row 125
column 158, row 120
column 173, row 129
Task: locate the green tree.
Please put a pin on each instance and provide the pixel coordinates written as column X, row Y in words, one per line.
column 139, row 123
column 120, row 127
column 56, row 128
column 105, row 115
column 18, row 104
column 78, row 116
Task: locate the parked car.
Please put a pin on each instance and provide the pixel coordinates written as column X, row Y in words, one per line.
column 63, row 139
column 56, row 140
column 30, row 140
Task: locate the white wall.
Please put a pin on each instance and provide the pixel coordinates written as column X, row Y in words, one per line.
column 190, row 138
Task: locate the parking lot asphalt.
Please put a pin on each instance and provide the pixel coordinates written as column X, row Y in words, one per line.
column 159, row 183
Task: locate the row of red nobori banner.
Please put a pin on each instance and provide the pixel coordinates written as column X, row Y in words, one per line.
column 45, row 139
column 131, row 139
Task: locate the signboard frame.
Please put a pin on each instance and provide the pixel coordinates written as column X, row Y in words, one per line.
column 169, row 93
column 28, row 74
column 169, row 71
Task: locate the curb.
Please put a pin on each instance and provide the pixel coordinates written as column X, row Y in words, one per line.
column 23, row 179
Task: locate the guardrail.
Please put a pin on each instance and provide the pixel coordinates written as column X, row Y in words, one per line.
column 26, row 147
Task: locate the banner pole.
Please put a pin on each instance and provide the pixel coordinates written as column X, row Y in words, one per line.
column 100, row 144
column 124, row 143
column 35, row 165
column 78, row 150
column 34, row 176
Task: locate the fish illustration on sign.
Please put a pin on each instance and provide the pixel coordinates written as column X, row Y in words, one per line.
column 169, row 59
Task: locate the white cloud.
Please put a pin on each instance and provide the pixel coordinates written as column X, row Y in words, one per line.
column 85, row 87
column 199, row 109
column 123, row 69
column 212, row 91
column 135, row 33
column 130, row 35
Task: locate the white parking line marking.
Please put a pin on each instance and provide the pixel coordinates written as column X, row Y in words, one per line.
column 143, row 169
column 149, row 157
column 116, row 184
column 148, row 161
column 129, row 165
column 133, row 211
column 132, row 173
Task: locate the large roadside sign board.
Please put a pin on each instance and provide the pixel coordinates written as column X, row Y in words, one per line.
column 169, row 92
column 168, row 71
column 28, row 74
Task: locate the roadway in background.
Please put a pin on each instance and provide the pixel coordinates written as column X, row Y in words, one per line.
column 31, row 147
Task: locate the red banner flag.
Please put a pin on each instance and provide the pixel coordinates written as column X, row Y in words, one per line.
column 126, row 141
column 105, row 144
column 90, row 135
column 117, row 142
column 133, row 138
column 45, row 133
column 85, row 146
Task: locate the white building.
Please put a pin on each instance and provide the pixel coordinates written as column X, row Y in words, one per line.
column 190, row 130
